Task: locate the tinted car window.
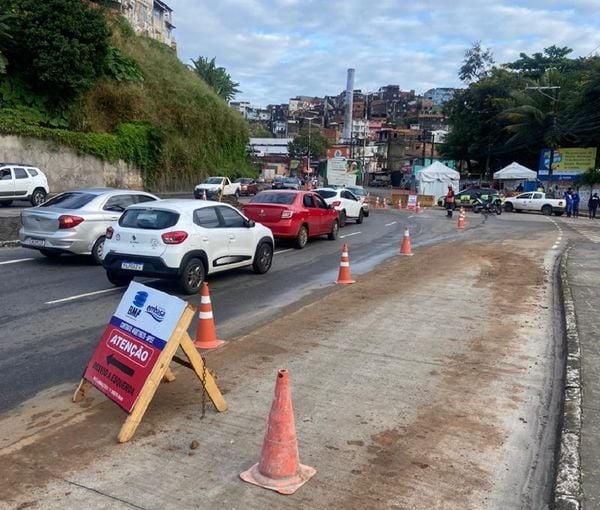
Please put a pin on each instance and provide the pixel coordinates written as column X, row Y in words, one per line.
column 326, row 193
column 70, row 200
column 20, row 173
column 525, row 195
column 358, row 191
column 140, row 199
column 119, row 203
column 273, row 198
column 32, row 172
column 150, row 219
column 207, row 217
column 213, row 180
column 5, row 174
column 232, row 219
column 308, row 201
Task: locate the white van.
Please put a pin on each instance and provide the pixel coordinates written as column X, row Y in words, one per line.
column 22, row 182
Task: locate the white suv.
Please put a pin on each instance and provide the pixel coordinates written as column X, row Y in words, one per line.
column 184, row 240
column 22, row 182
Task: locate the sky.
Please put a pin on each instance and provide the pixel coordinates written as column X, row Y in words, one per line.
column 279, row 49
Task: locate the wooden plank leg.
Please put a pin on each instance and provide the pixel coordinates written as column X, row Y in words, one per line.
column 155, row 377
column 81, row 391
column 169, row 375
column 210, row 385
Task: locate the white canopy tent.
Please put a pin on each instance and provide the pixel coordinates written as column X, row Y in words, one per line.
column 435, row 179
column 515, row 171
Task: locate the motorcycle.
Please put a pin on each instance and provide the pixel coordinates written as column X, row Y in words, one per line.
column 487, row 206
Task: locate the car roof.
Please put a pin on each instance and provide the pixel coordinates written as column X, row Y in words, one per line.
column 17, row 164
column 106, row 191
column 179, row 204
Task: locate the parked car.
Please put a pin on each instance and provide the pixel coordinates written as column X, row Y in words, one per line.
column 346, row 203
column 536, row 201
column 287, row 183
column 363, row 195
column 184, row 240
column 75, row 222
column 248, row 186
column 466, row 197
column 291, row 214
column 378, row 182
column 22, row 182
column 213, row 186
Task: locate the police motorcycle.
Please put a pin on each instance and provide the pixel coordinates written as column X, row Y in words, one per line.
column 492, row 204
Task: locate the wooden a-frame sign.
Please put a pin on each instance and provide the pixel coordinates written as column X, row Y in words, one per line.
column 161, row 371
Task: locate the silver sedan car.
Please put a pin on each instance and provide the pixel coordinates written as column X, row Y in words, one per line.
column 75, row 222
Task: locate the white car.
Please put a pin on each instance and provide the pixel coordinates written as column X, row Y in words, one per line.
column 184, row 240
column 22, row 182
column 346, row 203
column 363, row 196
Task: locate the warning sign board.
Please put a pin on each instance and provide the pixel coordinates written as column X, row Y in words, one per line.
column 132, row 343
column 412, row 202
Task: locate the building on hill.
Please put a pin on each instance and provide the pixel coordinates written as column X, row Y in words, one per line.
column 152, row 18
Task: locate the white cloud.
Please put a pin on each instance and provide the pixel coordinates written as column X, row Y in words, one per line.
column 277, row 49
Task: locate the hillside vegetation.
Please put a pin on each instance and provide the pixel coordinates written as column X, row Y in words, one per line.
column 146, row 107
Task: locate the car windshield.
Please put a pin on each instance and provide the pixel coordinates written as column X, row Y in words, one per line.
column 326, row 193
column 70, row 200
column 244, row 180
column 358, row 191
column 273, row 198
column 291, row 179
column 151, row 219
column 213, row 180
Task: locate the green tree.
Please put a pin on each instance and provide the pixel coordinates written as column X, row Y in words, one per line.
column 216, row 77
column 301, row 143
column 477, row 64
column 589, row 178
column 5, row 37
column 538, row 64
column 58, row 46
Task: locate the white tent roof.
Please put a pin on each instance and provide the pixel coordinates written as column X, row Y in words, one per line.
column 515, row 171
column 438, row 172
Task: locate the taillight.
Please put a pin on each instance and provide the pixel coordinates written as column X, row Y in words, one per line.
column 109, row 233
column 286, row 214
column 175, row 237
column 68, row 221
column 336, row 203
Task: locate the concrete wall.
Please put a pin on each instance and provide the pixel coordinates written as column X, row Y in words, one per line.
column 64, row 168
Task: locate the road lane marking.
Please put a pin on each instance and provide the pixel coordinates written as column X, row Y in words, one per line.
column 282, row 251
column 348, row 235
column 79, row 296
column 15, row 261
column 390, row 224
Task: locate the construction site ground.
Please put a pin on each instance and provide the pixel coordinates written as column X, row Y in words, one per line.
column 424, row 385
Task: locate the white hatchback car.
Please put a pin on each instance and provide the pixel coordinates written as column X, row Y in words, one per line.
column 184, row 240
column 346, row 203
column 22, row 182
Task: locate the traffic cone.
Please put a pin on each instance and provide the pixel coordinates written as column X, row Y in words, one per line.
column 461, row 219
column 399, row 204
column 376, row 202
column 418, row 209
column 279, row 468
column 405, row 248
column 344, row 277
column 204, row 195
column 206, row 336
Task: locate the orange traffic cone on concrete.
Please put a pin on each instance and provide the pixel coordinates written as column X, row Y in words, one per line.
column 206, row 335
column 376, row 202
column 385, row 204
column 279, row 468
column 344, row 276
column 418, row 209
column 405, row 248
column 399, row 204
column 461, row 219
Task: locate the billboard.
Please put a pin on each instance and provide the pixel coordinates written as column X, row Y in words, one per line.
column 342, row 171
column 338, row 151
column 567, row 164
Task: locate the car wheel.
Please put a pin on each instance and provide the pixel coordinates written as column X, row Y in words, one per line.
column 237, row 194
column 192, row 276
column 52, row 255
column 366, row 213
column 117, row 279
column 263, row 258
column 38, row 197
column 359, row 220
column 508, row 207
column 6, row 203
column 335, row 230
column 342, row 218
column 547, row 210
column 302, row 237
column 98, row 249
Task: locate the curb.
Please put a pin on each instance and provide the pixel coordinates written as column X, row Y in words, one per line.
column 568, row 491
column 10, row 244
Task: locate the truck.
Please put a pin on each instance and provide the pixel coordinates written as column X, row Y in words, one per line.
column 536, row 201
column 214, row 186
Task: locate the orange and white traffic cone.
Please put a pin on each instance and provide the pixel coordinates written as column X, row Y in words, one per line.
column 405, row 248
column 206, row 335
column 418, row 209
column 204, row 195
column 461, row 219
column 344, row 277
column 399, row 204
column 385, row 204
column 376, row 202
column 279, row 468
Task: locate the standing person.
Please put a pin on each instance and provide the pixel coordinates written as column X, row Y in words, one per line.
column 576, row 199
column 449, row 202
column 593, row 204
column 569, row 200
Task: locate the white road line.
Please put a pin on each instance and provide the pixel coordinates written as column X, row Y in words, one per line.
column 73, row 298
column 282, row 251
column 390, row 224
column 15, row 261
column 411, row 216
column 352, row 234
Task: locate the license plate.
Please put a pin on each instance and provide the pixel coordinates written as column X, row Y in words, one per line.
column 35, row 242
column 133, row 266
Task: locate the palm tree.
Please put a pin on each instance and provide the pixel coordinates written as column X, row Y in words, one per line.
column 216, row 77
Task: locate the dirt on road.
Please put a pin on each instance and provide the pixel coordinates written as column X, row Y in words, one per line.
column 419, row 387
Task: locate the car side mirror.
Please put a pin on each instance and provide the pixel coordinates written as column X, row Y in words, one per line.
column 249, row 223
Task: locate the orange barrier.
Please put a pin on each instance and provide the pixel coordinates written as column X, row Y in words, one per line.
column 206, row 335
column 344, row 276
column 385, row 204
column 279, row 468
column 405, row 248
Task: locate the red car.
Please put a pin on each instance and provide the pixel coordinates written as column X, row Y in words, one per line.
column 247, row 186
column 294, row 214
